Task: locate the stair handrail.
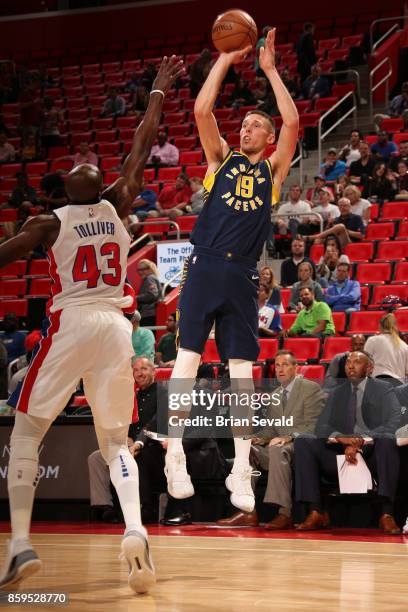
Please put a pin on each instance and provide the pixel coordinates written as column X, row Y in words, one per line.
column 374, row 45
column 321, row 136
column 372, row 88
column 348, row 71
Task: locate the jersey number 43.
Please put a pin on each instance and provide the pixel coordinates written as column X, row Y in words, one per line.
column 86, row 265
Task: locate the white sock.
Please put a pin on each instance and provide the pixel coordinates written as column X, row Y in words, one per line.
column 241, row 370
column 242, row 448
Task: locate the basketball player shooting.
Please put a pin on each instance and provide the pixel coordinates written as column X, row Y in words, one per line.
column 87, row 336
column 221, row 279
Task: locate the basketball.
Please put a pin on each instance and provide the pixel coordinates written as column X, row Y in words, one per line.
column 234, row 30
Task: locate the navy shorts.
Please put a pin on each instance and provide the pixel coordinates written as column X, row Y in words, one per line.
column 222, row 288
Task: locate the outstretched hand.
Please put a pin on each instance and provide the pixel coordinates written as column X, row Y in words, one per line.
column 267, row 53
column 170, row 69
column 236, row 57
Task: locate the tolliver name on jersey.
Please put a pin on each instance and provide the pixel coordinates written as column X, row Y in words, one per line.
column 95, row 228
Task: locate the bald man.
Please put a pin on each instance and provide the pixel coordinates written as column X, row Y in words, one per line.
column 336, row 372
column 85, row 337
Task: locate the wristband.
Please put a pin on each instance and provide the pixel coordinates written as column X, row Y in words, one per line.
column 157, row 91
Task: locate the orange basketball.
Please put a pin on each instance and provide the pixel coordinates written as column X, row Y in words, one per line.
column 234, row 30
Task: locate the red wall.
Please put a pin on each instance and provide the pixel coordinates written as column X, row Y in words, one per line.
column 164, row 20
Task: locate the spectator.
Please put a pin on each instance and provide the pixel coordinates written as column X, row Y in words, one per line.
column 149, row 292
column 401, row 178
column 53, row 191
column 148, row 76
column 384, row 148
column 398, row 108
column 13, row 340
column 332, row 167
column 305, row 276
column 343, row 294
column 379, row 186
column 261, row 90
column 342, row 182
column 7, row 151
column 83, row 156
column 289, row 267
column 140, row 101
column 50, row 132
column 313, row 193
column 294, row 206
column 327, row 267
column 305, row 49
column 144, row 205
column 267, row 277
column 389, row 352
column 241, row 95
column 351, row 151
column 359, row 206
column 315, row 320
column 316, row 86
column 348, row 227
column 197, row 195
column 167, row 349
column 336, row 372
column 22, row 192
column 30, row 151
column 114, row 105
column 42, row 77
column 259, row 44
column 290, row 83
column 403, row 156
column 362, row 169
column 133, row 83
column 142, row 339
column 199, row 71
column 361, row 416
column 269, row 321
column 163, row 153
column 328, row 211
column 173, row 199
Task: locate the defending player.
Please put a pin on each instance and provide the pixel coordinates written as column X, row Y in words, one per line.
column 221, row 281
column 87, row 337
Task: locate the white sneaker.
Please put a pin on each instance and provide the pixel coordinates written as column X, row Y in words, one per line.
column 18, row 567
column 239, row 484
column 179, row 482
column 135, row 549
column 405, row 527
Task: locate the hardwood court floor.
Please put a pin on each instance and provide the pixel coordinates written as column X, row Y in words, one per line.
column 225, row 574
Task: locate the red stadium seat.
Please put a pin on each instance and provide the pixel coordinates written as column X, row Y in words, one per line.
column 382, row 291
column 359, row 251
column 287, row 320
column 103, row 124
column 401, row 272
column 174, row 118
column 17, row 268
column 341, row 89
column 224, row 114
column 392, row 251
column 365, row 295
column 401, row 314
column 379, row 231
column 19, row 307
column 316, row 252
column 78, row 114
column 364, row 322
column 63, row 164
column 304, row 349
column 330, row 43
column 199, row 171
column 109, row 163
column 40, row 287
column 402, row 230
column 256, row 372
column 303, row 106
column 108, row 148
column 9, row 170
column 226, row 127
column 323, row 104
column 392, row 125
column 371, row 273
column 126, row 122
column 76, row 139
column 169, row 174
column 185, row 143
column 234, row 140
column 268, row 348
column 334, row 345
column 179, row 130
column 309, row 120
column 338, row 54
column 8, row 215
column 313, row 372
column 285, row 297
column 8, row 184
column 163, row 373
column 80, row 126
column 105, row 136
column 374, row 211
column 186, row 223
column 354, row 40
column 110, row 177
column 210, row 354
column 36, row 168
column 148, row 174
column 190, row 157
column 38, row 267
column 339, row 320
column 13, row 287
column 394, row 210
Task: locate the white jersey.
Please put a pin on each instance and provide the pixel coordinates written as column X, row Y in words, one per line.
column 89, row 258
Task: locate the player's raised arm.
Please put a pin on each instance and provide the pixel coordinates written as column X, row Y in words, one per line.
column 286, row 145
column 123, row 192
column 35, row 231
column 215, row 147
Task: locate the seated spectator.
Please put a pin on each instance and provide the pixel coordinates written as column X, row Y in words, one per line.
column 401, row 179
column 294, row 206
column 313, row 193
column 50, row 132
column 53, row 191
column 267, row 277
column 398, row 108
column 30, row 151
column 328, row 211
column 316, row 86
column 197, row 195
column 174, row 198
column 241, row 95
column 163, row 153
column 361, row 169
column 140, row 101
column 342, row 430
column 315, row 320
column 342, row 182
column 7, row 151
column 13, row 340
column 290, row 83
column 348, row 227
column 167, row 349
column 389, row 352
column 142, row 339
column 269, row 321
column 379, row 186
column 305, row 275
column 343, row 294
column 402, row 156
column 336, row 372
column 149, row 292
column 351, row 151
column 114, row 105
column 261, row 90
column 144, row 205
column 359, row 205
column 23, row 192
column 199, row 71
column 83, row 156
column 289, row 267
column 327, row 267
column 384, row 148
column 31, row 341
column 332, row 167
column 148, row 76
column 133, row 83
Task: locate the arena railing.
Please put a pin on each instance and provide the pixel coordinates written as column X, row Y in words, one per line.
column 397, row 27
column 353, row 73
column 299, row 158
column 158, row 222
column 320, row 136
column 372, row 88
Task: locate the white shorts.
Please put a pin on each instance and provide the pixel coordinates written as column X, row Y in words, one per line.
column 89, row 342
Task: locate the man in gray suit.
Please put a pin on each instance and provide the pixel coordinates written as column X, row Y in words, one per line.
column 303, row 400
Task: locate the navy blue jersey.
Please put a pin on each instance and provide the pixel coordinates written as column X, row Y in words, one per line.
column 237, row 212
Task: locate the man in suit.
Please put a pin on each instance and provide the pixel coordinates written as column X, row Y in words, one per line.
column 303, row 400
column 361, row 416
